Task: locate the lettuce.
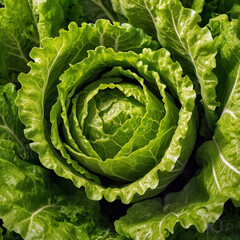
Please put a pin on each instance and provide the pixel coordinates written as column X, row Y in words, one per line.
column 114, row 126
column 202, row 199
column 135, row 103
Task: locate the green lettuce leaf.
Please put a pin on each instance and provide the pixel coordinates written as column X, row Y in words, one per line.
column 58, row 213
column 202, row 199
column 112, row 112
column 23, row 24
column 18, row 34
column 234, row 12
column 227, row 227
column 10, row 126
column 177, row 29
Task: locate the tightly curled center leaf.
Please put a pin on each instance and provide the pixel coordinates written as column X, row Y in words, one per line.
column 113, row 125
column 109, row 118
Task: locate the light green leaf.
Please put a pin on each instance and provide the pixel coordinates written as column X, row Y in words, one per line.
column 198, row 5
column 227, row 41
column 226, row 139
column 23, row 24
column 34, row 206
column 202, row 199
column 49, row 16
column 227, row 227
column 177, row 29
column 18, row 34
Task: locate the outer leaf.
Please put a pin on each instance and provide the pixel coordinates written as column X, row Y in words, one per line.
column 227, row 227
column 23, row 24
column 227, row 135
column 20, row 201
column 178, row 31
column 74, row 13
column 18, row 34
column 235, row 11
column 57, row 214
column 227, row 41
column 10, row 125
column 201, row 201
column 53, row 15
column 49, row 16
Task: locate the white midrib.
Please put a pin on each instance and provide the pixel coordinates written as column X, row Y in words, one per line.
column 226, row 110
column 230, row 112
column 223, row 159
column 33, row 18
column 37, row 212
column 170, row 213
column 153, row 19
column 215, row 176
column 41, row 209
column 186, row 50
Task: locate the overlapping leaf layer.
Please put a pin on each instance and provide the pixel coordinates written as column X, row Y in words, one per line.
column 113, row 113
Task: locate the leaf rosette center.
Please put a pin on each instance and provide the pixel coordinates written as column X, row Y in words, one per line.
column 114, row 126
column 119, row 122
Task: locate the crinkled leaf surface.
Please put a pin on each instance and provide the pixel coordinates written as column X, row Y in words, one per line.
column 106, row 51
column 36, row 208
column 18, row 34
column 23, row 24
column 202, row 199
column 226, row 227
column 177, row 30
column 32, row 203
column 71, row 48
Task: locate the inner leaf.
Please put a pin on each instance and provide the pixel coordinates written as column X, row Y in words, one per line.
column 111, row 121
